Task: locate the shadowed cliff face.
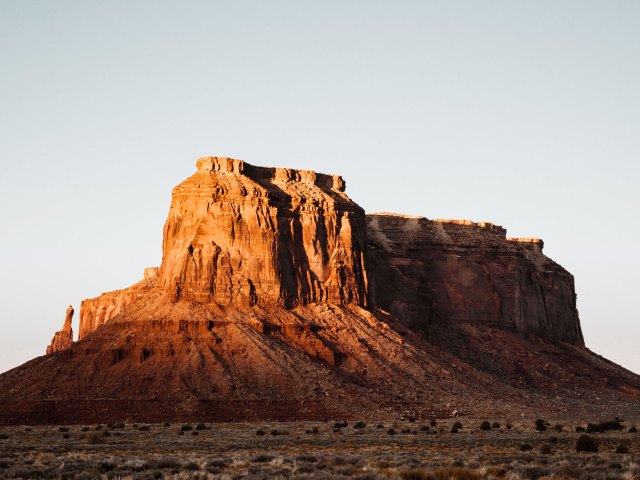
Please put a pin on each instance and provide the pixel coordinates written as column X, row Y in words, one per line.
column 438, row 272
column 240, row 235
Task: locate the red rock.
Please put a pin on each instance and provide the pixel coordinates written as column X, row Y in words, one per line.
column 433, row 272
column 62, row 339
column 277, row 299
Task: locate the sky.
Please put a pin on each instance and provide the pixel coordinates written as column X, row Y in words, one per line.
column 522, row 113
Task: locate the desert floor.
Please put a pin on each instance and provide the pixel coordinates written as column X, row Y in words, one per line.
column 316, row 450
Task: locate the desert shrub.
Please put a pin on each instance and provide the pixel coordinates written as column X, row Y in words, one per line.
column 508, row 425
column 545, row 450
column 98, row 427
column 106, row 433
column 380, row 425
column 275, row 432
column 341, row 424
column 66, row 435
column 186, row 428
column 63, row 429
column 260, row 432
column 262, row 458
column 525, row 447
column 201, row 426
column 107, row 466
column 495, row 425
column 391, row 431
column 553, row 439
column 95, row 438
column 144, row 428
column 307, row 458
column 456, row 427
column 622, row 449
column 216, row 465
column 85, row 429
column 540, row 426
column 586, row 443
column 411, row 419
column 359, row 425
column 579, row 429
column 180, row 432
column 633, row 430
column 432, row 422
column 558, row 427
column 604, row 426
column 195, row 433
column 167, row 424
column 485, row 425
column 424, row 428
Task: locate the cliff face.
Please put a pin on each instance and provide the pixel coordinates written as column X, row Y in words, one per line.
column 96, row 311
column 240, row 235
column 433, row 272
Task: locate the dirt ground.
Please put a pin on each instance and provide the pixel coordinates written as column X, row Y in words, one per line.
column 514, row 449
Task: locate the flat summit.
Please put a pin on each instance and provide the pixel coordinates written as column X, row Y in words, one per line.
column 279, row 298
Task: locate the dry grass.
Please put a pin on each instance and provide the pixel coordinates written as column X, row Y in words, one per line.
column 312, row 451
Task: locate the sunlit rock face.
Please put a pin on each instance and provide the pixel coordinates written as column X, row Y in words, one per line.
column 430, row 272
column 62, row 339
column 240, row 235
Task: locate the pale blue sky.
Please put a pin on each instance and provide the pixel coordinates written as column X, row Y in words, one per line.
column 525, row 114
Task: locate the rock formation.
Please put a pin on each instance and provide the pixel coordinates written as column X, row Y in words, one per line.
column 433, row 272
column 277, row 298
column 62, row 339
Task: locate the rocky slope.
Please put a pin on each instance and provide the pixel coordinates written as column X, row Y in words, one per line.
column 277, row 298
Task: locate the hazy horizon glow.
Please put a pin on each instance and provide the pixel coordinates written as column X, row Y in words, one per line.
column 523, row 114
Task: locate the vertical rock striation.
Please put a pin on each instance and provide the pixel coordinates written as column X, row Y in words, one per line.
column 240, row 235
column 434, row 272
column 62, row 339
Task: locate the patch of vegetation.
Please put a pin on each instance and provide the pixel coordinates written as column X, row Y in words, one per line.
column 485, row 425
column 602, row 427
column 586, row 443
column 540, row 425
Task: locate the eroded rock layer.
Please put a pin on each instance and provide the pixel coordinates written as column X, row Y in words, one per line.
column 277, row 299
column 430, row 272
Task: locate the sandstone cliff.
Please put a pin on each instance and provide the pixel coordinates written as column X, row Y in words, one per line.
column 430, row 272
column 239, row 234
column 277, row 298
column 62, row 339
